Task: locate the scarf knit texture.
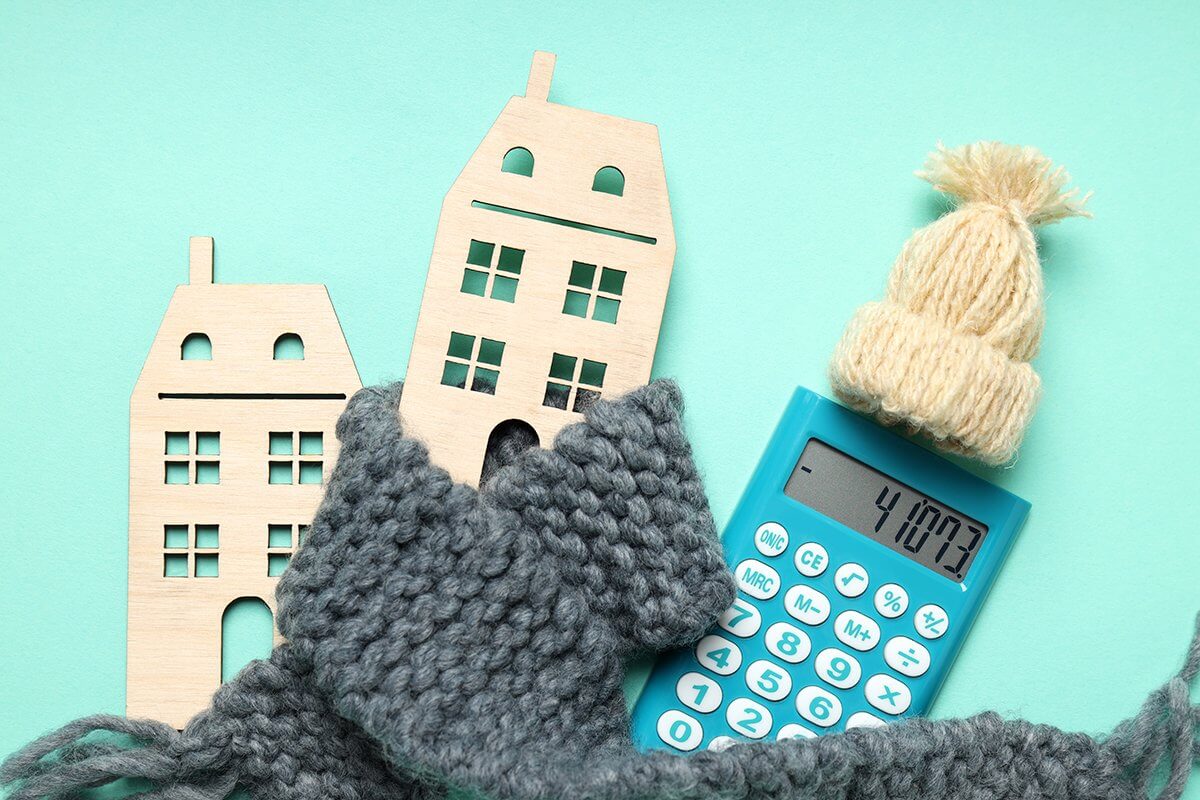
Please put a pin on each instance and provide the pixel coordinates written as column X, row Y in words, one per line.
column 443, row 639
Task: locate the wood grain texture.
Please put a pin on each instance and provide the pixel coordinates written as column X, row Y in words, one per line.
column 174, row 628
column 569, row 146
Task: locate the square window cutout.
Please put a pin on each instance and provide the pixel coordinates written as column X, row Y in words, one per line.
column 562, row 367
column 461, row 346
column 606, row 310
column 473, row 282
column 279, row 536
column 582, row 274
column 177, row 444
column 175, row 537
column 612, row 281
column 454, row 374
column 576, row 304
column 280, row 472
column 206, row 565
column 277, row 563
column 584, row 398
column 592, row 373
column 504, row 288
column 480, row 253
column 208, row 444
column 176, row 473
column 312, row 444
column 491, row 352
column 208, row 536
column 302, row 534
column 280, row 443
column 175, row 565
column 485, row 380
column 208, row 472
column 510, row 259
column 310, row 472
column 556, row 395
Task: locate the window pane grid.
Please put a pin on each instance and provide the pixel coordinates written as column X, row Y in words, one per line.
column 594, row 292
column 574, row 382
column 191, row 550
column 492, row 271
column 472, row 362
column 192, row 457
column 282, row 541
column 305, row 463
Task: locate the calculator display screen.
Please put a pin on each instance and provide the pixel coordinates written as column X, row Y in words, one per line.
column 888, row 511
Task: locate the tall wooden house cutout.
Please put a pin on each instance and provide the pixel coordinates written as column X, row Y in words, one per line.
column 231, row 438
column 548, row 278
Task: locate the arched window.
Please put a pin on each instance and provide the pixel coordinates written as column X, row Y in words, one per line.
column 289, row 347
column 247, row 633
column 518, row 161
column 609, row 180
column 196, row 347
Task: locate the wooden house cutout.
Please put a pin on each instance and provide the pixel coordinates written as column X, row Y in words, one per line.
column 231, row 439
column 548, row 279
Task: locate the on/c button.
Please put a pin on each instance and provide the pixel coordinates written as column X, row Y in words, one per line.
column 757, row 579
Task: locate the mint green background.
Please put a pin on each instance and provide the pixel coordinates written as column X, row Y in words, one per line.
column 316, row 143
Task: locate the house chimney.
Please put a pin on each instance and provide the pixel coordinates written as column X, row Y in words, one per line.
column 200, row 260
column 540, row 74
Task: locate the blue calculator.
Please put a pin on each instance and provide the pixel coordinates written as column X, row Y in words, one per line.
column 861, row 561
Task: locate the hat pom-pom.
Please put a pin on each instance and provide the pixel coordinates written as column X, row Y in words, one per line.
column 1010, row 176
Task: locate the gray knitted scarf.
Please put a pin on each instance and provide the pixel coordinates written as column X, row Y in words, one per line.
column 446, row 639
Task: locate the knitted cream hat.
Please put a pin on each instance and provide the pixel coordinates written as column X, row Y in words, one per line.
column 947, row 352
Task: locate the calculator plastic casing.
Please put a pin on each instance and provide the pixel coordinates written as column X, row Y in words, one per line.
column 809, row 415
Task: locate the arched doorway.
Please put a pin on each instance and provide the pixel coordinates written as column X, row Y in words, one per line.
column 507, row 441
column 247, row 633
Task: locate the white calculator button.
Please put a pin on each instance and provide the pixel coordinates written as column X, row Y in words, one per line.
column 861, row 719
column 811, row 559
column 698, row 692
column 806, row 604
column 837, row 668
column 720, row 743
column 748, row 718
column 906, row 656
column 719, row 654
column 794, row 731
column 788, row 642
column 757, row 579
column 818, row 706
column 856, row 630
column 851, row 579
column 887, row 694
column 768, row 680
column 771, row 539
column 891, row 600
column 931, row 621
column 741, row 619
column 679, row 730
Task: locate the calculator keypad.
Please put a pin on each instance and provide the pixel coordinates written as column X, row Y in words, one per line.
column 818, row 689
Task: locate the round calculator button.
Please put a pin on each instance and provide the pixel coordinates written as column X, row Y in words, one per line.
column 699, row 692
column 811, row 559
column 794, row 731
column 771, row 539
column 931, row 621
column 741, row 619
column 720, row 743
column 837, row 668
column 818, row 706
column 906, row 656
column 749, row 718
column 887, row 694
column 861, row 719
column 891, row 600
column 719, row 655
column 787, row 642
column 757, row 579
column 679, row 730
column 806, row 604
column 768, row 680
column 851, row 579
column 856, row 630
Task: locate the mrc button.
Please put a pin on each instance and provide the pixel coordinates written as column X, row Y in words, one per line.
column 757, row 579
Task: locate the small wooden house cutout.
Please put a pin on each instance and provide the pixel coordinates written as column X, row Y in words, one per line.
column 548, row 278
column 231, row 431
